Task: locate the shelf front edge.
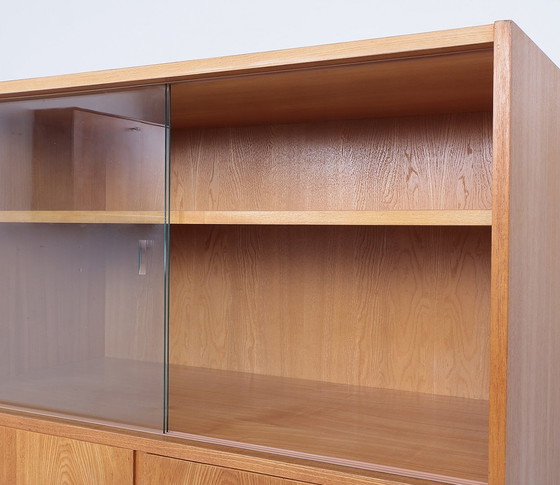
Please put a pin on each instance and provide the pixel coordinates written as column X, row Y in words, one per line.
column 348, row 218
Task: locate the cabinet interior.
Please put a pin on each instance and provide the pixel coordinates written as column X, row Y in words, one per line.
column 310, row 315
column 353, row 343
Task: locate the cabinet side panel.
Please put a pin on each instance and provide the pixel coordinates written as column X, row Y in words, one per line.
column 500, row 255
column 533, row 375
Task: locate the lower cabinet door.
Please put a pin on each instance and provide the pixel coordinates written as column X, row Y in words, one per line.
column 40, row 459
column 158, row 470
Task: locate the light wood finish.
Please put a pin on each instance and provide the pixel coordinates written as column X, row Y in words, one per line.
column 124, row 391
column 134, row 302
column 402, row 433
column 8, row 455
column 358, row 426
column 88, row 161
column 472, row 38
column 393, row 307
column 51, row 294
column 440, row 84
column 268, row 464
column 84, row 217
column 16, row 147
column 500, row 256
column 414, row 163
column 44, row 459
column 128, row 155
column 526, row 428
column 158, row 470
column 334, row 218
column 459, row 217
column 53, row 161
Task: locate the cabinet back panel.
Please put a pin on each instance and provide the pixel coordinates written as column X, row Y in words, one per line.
column 424, row 162
column 52, row 295
column 392, row 307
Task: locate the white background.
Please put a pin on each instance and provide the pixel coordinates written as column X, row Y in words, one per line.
column 49, row 37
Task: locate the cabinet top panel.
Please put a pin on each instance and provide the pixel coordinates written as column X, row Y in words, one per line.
column 406, row 46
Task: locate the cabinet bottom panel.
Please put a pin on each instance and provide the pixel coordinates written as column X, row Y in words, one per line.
column 417, row 435
column 408, row 434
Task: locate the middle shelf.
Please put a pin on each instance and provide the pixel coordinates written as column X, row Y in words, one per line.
column 348, row 218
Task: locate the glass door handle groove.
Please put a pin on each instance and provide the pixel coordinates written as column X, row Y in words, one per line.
column 143, row 246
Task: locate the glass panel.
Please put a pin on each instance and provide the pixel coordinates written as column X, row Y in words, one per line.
column 82, row 256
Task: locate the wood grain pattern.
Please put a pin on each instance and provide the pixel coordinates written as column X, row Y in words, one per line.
column 43, row 459
column 408, row 434
column 70, row 293
column 134, row 303
column 88, row 161
column 52, row 296
column 530, row 149
column 404, row 308
column 459, row 217
column 157, row 470
column 472, row 38
column 264, row 463
column 333, row 218
column 366, row 427
column 16, row 147
column 53, row 168
column 8, row 455
column 123, row 391
column 132, row 156
column 416, row 163
column 85, row 217
column 448, row 83
column 500, row 256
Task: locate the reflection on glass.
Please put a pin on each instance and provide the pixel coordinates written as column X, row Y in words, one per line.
column 82, row 191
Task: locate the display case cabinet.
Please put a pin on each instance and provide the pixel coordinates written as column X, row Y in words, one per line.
column 329, row 265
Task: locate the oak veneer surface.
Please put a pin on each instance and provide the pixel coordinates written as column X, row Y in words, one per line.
column 333, row 218
column 124, row 391
column 88, row 161
column 414, row 163
column 417, row 85
column 134, row 303
column 44, row 459
column 52, row 295
column 409, row 434
column 352, row 425
column 93, row 217
column 16, row 148
column 393, row 307
column 430, row 43
column 528, row 443
column 8, row 455
column 158, row 470
column 217, row 455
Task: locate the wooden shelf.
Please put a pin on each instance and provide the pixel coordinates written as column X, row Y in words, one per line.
column 409, row 434
column 341, row 218
column 350, row 218
column 84, row 217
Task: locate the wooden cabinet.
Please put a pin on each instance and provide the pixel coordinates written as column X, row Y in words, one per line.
column 38, row 459
column 349, row 274
column 156, row 470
